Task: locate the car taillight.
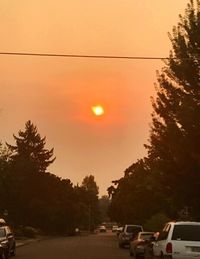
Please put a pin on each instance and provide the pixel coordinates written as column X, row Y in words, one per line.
column 169, row 248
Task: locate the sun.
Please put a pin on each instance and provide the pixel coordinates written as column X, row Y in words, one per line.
column 98, row 110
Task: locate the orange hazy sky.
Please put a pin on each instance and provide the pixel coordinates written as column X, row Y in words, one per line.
column 57, row 94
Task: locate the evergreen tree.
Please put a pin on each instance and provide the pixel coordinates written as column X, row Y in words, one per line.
column 173, row 152
column 30, row 148
column 29, row 161
column 170, row 174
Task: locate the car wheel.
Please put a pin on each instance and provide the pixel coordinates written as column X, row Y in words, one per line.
column 13, row 252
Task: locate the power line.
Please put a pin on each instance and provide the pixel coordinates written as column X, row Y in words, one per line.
column 81, row 56
column 93, row 56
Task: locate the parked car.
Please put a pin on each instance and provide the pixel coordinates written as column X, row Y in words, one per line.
column 102, row 229
column 137, row 245
column 178, row 240
column 128, row 233
column 2, row 252
column 114, row 228
column 7, row 242
column 148, row 248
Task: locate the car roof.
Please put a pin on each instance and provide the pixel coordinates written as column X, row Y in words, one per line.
column 133, row 225
column 184, row 223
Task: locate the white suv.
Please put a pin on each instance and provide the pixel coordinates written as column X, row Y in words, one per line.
column 178, row 240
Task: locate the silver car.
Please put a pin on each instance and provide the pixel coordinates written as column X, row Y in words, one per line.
column 7, row 242
column 137, row 245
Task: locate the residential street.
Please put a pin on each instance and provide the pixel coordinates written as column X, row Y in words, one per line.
column 97, row 246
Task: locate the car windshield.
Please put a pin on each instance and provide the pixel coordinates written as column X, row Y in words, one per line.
column 186, row 233
column 133, row 229
column 2, row 232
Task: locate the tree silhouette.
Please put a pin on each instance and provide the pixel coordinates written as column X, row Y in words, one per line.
column 173, row 152
column 170, row 174
column 30, row 147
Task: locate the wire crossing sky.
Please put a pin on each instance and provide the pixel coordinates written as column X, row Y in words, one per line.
column 86, row 56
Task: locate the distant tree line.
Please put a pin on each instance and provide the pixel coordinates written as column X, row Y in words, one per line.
column 32, row 196
column 166, row 183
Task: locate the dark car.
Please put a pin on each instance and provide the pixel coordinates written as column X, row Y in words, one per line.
column 7, row 242
column 137, row 245
column 128, row 233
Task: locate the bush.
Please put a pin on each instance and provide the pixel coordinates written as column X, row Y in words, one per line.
column 156, row 222
column 26, row 231
column 29, row 232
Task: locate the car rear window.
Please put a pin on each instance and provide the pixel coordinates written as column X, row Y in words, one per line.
column 186, row 232
column 146, row 236
column 133, row 229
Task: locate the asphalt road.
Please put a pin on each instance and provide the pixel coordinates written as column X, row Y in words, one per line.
column 97, row 246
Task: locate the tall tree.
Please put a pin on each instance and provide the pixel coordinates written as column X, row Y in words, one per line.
column 131, row 195
column 90, row 185
column 29, row 161
column 173, row 150
column 30, row 147
column 91, row 199
column 104, row 203
column 4, row 178
column 170, row 174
